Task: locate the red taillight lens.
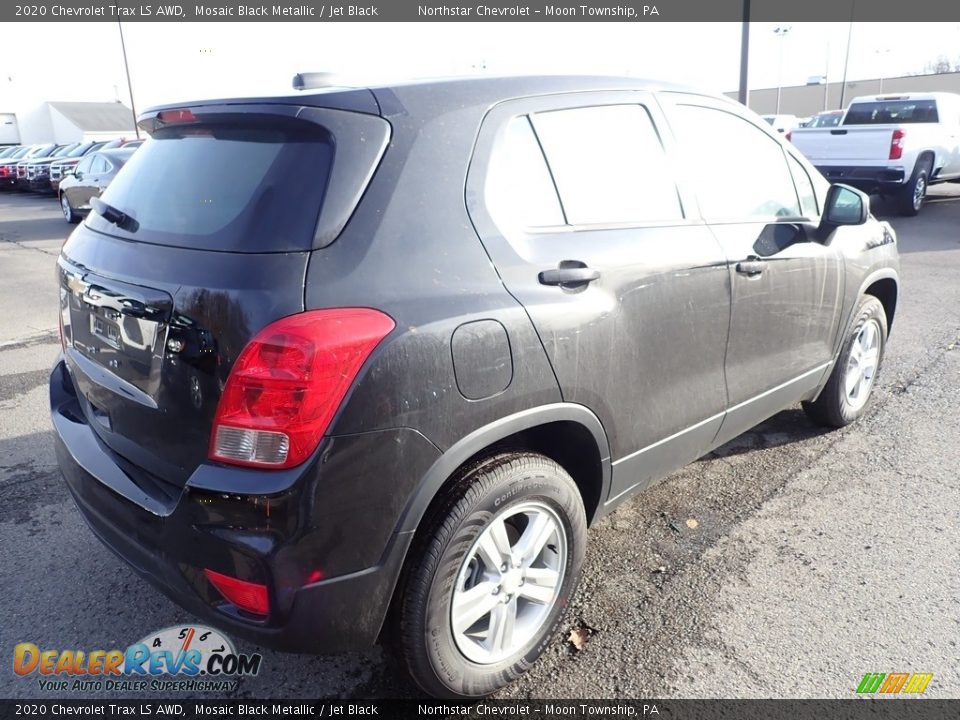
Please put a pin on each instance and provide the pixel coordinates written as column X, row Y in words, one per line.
column 288, row 382
column 248, row 596
column 896, row 144
column 176, row 116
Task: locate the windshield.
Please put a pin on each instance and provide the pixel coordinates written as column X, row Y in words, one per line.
column 43, row 151
column 224, row 187
column 8, row 152
column 65, row 150
column 889, row 112
column 822, row 121
column 80, row 150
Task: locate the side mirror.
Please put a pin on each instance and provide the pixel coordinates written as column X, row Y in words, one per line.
column 846, row 206
column 70, row 171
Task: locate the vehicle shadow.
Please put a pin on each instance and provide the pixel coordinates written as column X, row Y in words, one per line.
column 784, row 428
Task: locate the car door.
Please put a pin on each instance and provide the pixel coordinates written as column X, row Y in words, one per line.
column 761, row 201
column 949, row 109
column 100, row 173
column 73, row 188
column 576, row 202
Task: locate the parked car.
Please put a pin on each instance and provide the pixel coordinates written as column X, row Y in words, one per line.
column 325, row 398
column 9, row 150
column 88, row 180
column 38, row 170
column 123, row 142
column 782, row 123
column 46, row 151
column 8, row 166
column 893, row 145
column 828, row 118
column 58, row 168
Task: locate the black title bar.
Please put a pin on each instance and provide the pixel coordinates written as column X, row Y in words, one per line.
column 864, row 708
column 490, row 11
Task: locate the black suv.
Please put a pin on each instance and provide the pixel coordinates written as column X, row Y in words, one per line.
column 364, row 364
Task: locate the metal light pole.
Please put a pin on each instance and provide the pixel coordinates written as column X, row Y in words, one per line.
column 846, row 61
column 884, row 52
column 126, row 67
column 744, row 94
column 781, row 32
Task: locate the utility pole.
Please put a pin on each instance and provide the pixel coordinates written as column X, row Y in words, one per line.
column 126, row 67
column 744, row 94
column 781, row 32
column 846, row 61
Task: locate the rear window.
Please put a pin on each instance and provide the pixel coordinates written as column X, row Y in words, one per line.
column 224, row 187
column 889, row 112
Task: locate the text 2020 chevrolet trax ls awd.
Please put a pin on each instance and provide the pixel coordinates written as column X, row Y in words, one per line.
column 364, row 364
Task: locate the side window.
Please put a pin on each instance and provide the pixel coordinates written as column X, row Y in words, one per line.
column 519, row 192
column 609, row 165
column 805, row 189
column 99, row 165
column 84, row 165
column 738, row 171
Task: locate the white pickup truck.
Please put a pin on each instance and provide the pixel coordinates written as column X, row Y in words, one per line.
column 895, row 145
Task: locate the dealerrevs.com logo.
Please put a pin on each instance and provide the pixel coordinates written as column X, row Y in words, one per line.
column 193, row 658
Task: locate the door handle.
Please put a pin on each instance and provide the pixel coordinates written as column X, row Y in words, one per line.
column 751, row 268
column 570, row 273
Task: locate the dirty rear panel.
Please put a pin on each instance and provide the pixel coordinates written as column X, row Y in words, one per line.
column 218, row 213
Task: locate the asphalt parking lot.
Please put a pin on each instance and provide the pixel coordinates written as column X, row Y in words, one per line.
column 815, row 556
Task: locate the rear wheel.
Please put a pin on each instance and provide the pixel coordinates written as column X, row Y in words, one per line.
column 68, row 214
column 844, row 398
column 490, row 576
column 912, row 196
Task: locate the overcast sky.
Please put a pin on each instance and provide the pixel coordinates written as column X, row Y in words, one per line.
column 170, row 62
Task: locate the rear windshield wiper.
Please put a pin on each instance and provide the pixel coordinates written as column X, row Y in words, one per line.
column 114, row 216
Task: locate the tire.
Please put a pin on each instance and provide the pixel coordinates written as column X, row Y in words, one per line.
column 841, row 401
column 911, row 198
column 68, row 213
column 433, row 638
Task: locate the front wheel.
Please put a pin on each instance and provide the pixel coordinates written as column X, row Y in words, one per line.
column 490, row 576
column 844, row 398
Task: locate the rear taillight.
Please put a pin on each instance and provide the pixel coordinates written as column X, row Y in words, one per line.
column 288, row 382
column 896, row 144
column 248, row 596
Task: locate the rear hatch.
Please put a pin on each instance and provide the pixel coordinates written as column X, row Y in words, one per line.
column 203, row 240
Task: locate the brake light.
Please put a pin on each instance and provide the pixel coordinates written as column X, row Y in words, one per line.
column 288, row 382
column 176, row 116
column 896, row 144
column 248, row 596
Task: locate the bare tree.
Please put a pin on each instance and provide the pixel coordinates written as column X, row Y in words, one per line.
column 942, row 64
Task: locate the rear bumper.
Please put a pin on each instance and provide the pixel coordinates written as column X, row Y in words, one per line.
column 307, row 540
column 869, row 179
